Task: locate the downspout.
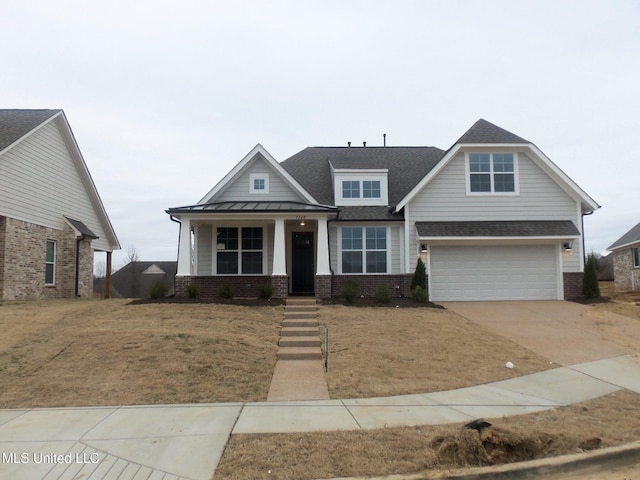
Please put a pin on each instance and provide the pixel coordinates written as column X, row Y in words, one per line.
column 78, row 240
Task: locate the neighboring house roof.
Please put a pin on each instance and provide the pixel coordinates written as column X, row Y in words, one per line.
column 252, row 207
column 406, row 165
column 630, row 238
column 15, row 124
column 135, row 279
column 530, row 228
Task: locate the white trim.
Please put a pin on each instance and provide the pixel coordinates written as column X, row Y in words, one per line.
column 625, row 246
column 258, row 176
column 407, row 239
column 559, row 272
column 245, row 162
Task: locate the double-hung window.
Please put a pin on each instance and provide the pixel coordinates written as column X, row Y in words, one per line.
column 50, row 263
column 636, row 257
column 364, row 250
column 371, row 188
column 239, row 250
column 492, row 173
column 350, row 189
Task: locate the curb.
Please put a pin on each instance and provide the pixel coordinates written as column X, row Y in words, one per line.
column 602, row 460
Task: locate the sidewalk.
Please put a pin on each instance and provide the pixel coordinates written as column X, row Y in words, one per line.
column 187, row 441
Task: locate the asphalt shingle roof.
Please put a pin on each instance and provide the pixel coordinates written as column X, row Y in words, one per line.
column 14, row 124
column 528, row 228
column 406, row 165
column 632, row 236
column 486, row 132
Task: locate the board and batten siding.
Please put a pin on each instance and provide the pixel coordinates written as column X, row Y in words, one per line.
column 40, row 183
column 238, row 190
column 540, row 198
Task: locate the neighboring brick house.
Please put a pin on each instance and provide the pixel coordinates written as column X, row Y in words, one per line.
column 492, row 217
column 626, row 260
column 51, row 216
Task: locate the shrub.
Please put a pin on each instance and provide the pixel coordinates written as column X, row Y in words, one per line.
column 350, row 291
column 419, row 278
column 383, row 294
column 266, row 291
column 226, row 290
column 419, row 294
column 192, row 290
column 590, row 287
column 159, row 289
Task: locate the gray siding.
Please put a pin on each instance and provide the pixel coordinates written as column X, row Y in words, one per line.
column 39, row 183
column 239, row 189
column 204, row 250
column 540, row 198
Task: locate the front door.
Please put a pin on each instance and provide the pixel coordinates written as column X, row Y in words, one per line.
column 302, row 263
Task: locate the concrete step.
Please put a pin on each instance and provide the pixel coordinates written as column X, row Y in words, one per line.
column 301, row 308
column 299, row 331
column 309, row 323
column 298, row 315
column 299, row 353
column 301, row 301
column 306, row 341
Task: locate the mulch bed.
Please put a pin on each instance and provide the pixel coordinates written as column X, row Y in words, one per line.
column 401, row 302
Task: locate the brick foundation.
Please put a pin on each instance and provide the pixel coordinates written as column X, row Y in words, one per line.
column 23, row 248
column 323, row 286
column 399, row 285
column 572, row 284
column 243, row 286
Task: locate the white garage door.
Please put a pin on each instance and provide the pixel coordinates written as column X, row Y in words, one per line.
column 519, row 272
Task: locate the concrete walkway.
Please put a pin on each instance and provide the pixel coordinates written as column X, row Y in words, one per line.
column 187, row 441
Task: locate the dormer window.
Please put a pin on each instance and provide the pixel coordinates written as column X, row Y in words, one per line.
column 350, row 189
column 259, row 183
column 491, row 173
column 371, row 188
column 360, row 186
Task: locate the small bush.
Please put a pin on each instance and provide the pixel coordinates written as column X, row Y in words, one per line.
column 383, row 294
column 266, row 291
column 419, row 278
column 226, row 290
column 350, row 291
column 159, row 289
column 590, row 287
column 419, row 294
column 192, row 290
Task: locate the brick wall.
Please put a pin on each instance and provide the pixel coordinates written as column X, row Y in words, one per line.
column 24, row 247
column 323, row 286
column 572, row 284
column 625, row 275
column 399, row 285
column 245, row 286
column 3, row 222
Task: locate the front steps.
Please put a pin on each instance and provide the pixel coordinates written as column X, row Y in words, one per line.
column 299, row 336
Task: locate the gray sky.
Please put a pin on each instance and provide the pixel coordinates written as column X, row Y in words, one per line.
column 165, row 98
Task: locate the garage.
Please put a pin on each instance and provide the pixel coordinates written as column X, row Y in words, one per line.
column 507, row 272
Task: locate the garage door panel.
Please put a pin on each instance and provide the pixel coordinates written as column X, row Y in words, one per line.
column 522, row 272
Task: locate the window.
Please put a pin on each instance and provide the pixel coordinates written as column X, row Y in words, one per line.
column 234, row 256
column 492, row 173
column 636, row 257
column 350, row 189
column 364, row 250
column 371, row 188
column 259, row 183
column 50, row 263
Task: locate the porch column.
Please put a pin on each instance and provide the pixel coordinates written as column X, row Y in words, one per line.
column 322, row 262
column 279, row 252
column 184, row 248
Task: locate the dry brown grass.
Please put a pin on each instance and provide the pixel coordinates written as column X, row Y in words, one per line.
column 393, row 351
column 98, row 352
column 621, row 303
column 432, row 450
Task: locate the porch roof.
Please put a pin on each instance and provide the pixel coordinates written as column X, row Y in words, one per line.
column 527, row 228
column 253, row 207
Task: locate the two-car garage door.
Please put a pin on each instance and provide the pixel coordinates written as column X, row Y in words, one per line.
column 516, row 272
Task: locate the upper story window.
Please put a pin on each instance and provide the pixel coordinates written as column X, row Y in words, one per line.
column 371, row 188
column 350, row 189
column 636, row 257
column 364, row 187
column 492, row 173
column 259, row 183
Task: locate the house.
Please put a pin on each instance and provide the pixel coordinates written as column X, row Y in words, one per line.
column 626, row 260
column 51, row 217
column 137, row 278
column 492, row 217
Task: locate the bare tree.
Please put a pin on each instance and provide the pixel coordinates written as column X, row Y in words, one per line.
column 100, row 270
column 132, row 259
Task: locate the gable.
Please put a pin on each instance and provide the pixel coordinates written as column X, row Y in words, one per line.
column 43, row 178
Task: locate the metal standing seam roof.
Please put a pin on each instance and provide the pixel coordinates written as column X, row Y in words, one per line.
column 249, row 207
column 529, row 228
column 629, row 238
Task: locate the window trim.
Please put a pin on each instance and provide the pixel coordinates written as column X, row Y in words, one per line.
column 252, row 182
column 364, row 250
column 53, row 263
column 492, row 173
column 238, row 251
column 635, row 257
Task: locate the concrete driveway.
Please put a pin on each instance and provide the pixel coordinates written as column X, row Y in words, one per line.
column 565, row 332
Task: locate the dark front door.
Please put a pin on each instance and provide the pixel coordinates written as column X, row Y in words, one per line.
column 302, row 263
